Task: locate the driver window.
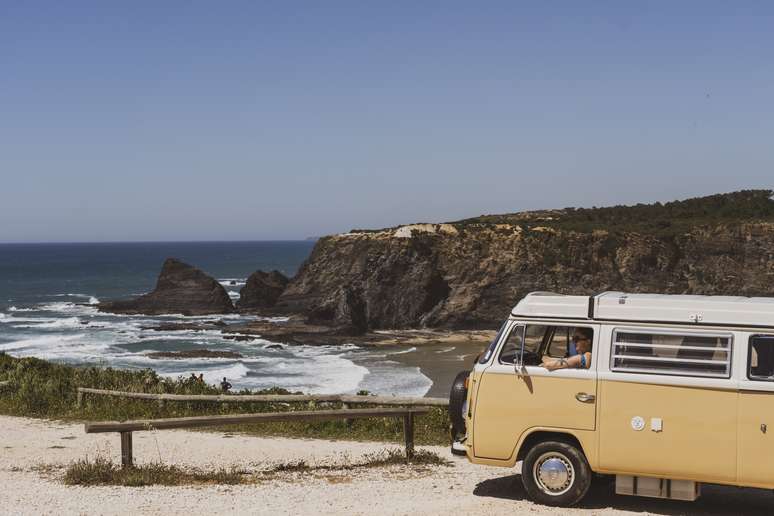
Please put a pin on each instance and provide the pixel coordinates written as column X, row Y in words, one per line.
column 512, row 346
column 533, row 336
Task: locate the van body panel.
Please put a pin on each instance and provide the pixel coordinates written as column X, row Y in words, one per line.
column 475, row 377
column 756, row 442
column 587, row 439
column 697, row 437
column 508, row 404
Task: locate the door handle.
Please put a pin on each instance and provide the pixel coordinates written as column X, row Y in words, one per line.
column 585, row 398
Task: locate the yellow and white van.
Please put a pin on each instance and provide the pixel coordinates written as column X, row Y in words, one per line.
column 679, row 391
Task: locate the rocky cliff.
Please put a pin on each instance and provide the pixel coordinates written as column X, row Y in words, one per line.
column 470, row 273
column 180, row 289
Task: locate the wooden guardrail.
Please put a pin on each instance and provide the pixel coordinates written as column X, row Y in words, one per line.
column 126, row 428
column 270, row 398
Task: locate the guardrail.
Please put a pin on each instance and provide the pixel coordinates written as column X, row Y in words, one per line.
column 126, row 428
column 345, row 399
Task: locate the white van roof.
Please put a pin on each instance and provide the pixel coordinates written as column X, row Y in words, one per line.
column 680, row 309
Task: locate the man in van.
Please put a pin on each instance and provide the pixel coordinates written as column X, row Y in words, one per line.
column 581, row 359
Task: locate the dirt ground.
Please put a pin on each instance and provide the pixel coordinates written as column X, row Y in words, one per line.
column 33, row 454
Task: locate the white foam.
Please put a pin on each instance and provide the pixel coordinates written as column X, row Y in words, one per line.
column 45, row 323
column 68, row 307
column 15, row 309
column 40, row 343
column 232, row 282
column 386, row 379
column 233, row 294
column 274, row 319
column 409, row 350
column 16, row 320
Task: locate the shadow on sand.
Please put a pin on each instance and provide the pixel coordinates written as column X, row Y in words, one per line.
column 715, row 499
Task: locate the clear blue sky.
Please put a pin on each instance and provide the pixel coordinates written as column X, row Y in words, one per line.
column 273, row 120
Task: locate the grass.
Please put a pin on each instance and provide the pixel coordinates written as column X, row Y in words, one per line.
column 380, row 459
column 101, row 471
column 48, row 390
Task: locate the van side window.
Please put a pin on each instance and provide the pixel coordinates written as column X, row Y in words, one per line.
column 761, row 360
column 533, row 337
column 672, row 354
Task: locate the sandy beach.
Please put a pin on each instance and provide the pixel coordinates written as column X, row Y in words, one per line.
column 441, row 361
column 34, row 453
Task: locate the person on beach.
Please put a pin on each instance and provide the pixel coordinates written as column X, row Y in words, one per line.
column 582, row 357
column 225, row 385
column 201, row 378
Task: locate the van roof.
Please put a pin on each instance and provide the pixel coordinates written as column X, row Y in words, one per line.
column 678, row 309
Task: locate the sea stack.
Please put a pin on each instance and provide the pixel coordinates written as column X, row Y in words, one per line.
column 180, row 289
column 262, row 290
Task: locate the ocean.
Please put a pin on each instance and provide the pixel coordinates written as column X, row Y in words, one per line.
column 48, row 293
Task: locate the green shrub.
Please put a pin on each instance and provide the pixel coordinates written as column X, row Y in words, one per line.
column 48, row 390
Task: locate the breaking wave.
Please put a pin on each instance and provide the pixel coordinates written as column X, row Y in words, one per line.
column 72, row 331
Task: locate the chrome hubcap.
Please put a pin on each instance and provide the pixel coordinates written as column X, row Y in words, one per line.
column 553, row 473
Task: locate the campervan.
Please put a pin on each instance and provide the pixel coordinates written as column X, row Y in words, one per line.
column 677, row 391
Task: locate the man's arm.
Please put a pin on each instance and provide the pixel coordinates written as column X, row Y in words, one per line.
column 552, row 364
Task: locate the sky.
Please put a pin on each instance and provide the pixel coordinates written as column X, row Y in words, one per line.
column 260, row 120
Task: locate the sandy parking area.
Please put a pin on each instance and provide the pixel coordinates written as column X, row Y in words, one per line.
column 462, row 488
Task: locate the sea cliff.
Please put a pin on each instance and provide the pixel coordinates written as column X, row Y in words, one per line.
column 468, row 274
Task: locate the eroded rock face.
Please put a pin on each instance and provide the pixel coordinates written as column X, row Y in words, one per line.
column 364, row 283
column 472, row 277
column 262, row 290
column 180, row 289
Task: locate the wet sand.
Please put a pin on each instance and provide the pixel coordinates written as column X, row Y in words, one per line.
column 441, row 362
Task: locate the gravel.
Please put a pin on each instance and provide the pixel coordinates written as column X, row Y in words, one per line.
column 33, row 454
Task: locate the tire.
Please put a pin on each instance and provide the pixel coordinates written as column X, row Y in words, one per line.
column 571, row 476
column 457, row 402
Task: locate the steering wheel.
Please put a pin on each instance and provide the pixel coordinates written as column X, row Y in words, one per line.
column 531, row 358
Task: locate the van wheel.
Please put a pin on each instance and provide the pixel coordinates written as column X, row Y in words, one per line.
column 457, row 401
column 556, row 473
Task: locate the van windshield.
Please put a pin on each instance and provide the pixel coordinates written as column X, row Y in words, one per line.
column 485, row 356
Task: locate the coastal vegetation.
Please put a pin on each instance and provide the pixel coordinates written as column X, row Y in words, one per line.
column 102, row 471
column 656, row 219
column 42, row 389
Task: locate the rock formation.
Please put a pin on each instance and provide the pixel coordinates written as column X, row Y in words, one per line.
column 180, row 289
column 261, row 290
column 469, row 274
